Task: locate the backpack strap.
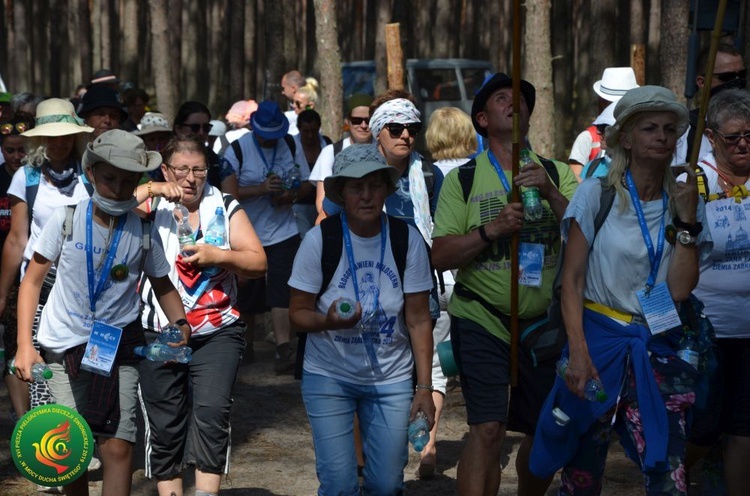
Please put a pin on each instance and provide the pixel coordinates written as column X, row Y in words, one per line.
column 701, row 180
column 398, row 231
column 32, row 188
column 592, row 166
column 466, row 177
column 67, row 227
column 337, row 147
column 291, row 144
column 327, row 140
column 237, row 153
column 551, row 169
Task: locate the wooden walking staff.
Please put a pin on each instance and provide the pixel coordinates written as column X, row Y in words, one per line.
column 515, row 194
column 706, row 93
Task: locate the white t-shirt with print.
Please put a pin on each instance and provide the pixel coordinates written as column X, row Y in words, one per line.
column 67, row 318
column 324, row 165
column 272, row 224
column 341, row 353
column 48, row 199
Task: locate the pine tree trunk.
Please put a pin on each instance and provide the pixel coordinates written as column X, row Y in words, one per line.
column 274, row 62
column 236, row 14
column 537, row 39
column 130, row 29
column 672, row 49
column 329, row 60
column 381, row 60
column 161, row 53
column 250, row 63
column 19, row 50
column 216, row 48
column 175, row 42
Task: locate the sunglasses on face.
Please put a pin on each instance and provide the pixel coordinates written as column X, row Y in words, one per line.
column 726, row 77
column 734, row 139
column 11, row 151
column 7, row 128
column 300, row 105
column 396, row 130
column 357, row 121
column 196, row 128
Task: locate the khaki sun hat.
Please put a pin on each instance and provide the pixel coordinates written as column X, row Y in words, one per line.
column 647, row 99
column 357, row 161
column 57, row 117
column 122, row 150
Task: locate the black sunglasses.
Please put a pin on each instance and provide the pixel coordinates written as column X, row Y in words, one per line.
column 357, row 121
column 197, row 127
column 396, row 130
column 726, row 77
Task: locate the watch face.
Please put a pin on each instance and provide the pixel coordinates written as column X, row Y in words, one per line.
column 684, row 238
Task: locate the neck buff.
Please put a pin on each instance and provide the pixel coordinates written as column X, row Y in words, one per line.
column 64, row 181
column 114, row 207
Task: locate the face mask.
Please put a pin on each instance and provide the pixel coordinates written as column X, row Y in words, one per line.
column 114, row 207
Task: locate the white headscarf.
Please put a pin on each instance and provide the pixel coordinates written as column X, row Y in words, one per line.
column 399, row 110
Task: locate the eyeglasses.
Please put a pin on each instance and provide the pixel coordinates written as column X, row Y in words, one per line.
column 10, row 151
column 733, row 139
column 7, row 128
column 196, row 128
column 726, row 77
column 396, row 130
column 357, row 121
column 183, row 172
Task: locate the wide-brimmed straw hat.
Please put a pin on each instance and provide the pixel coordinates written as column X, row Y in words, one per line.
column 647, row 99
column 122, row 150
column 153, row 122
column 615, row 82
column 56, row 117
column 357, row 161
column 269, row 122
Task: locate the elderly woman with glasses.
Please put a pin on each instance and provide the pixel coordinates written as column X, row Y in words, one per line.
column 724, row 285
column 194, row 119
column 363, row 362
column 205, row 277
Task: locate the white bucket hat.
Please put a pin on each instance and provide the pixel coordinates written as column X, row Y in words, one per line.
column 615, row 82
column 56, row 117
column 122, row 150
column 153, row 122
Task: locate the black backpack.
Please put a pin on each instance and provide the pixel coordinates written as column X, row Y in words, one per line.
column 330, row 256
column 238, row 150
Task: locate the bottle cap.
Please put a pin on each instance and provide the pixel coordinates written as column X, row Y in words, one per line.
column 345, row 307
column 47, row 374
column 601, row 396
column 561, row 418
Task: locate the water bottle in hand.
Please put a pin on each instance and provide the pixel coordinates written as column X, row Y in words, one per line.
column 530, row 197
column 169, row 334
column 40, row 372
column 345, row 308
column 184, row 230
column 292, row 179
column 216, row 234
column 593, row 391
column 688, row 350
column 158, row 352
column 419, row 431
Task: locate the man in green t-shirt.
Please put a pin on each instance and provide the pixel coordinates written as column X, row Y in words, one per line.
column 472, row 234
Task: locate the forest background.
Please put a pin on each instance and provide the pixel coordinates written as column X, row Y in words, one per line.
column 221, row 51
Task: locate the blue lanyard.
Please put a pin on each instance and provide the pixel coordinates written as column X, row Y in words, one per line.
column 269, row 169
column 499, row 170
column 95, row 289
column 350, row 253
column 654, row 257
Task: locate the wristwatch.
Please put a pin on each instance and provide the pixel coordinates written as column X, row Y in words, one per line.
column 180, row 322
column 694, row 229
column 685, row 238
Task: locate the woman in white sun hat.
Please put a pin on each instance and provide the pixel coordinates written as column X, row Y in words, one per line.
column 49, row 178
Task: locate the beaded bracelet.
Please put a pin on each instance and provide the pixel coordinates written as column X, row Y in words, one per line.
column 150, row 193
column 428, row 387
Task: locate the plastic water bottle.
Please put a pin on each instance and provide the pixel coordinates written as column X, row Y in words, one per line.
column 419, row 431
column 184, row 230
column 216, row 234
column 169, row 334
column 688, row 350
column 158, row 352
column 594, row 390
column 292, row 179
column 530, row 197
column 345, row 308
column 40, row 372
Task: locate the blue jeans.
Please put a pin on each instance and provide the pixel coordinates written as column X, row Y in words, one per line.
column 383, row 412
